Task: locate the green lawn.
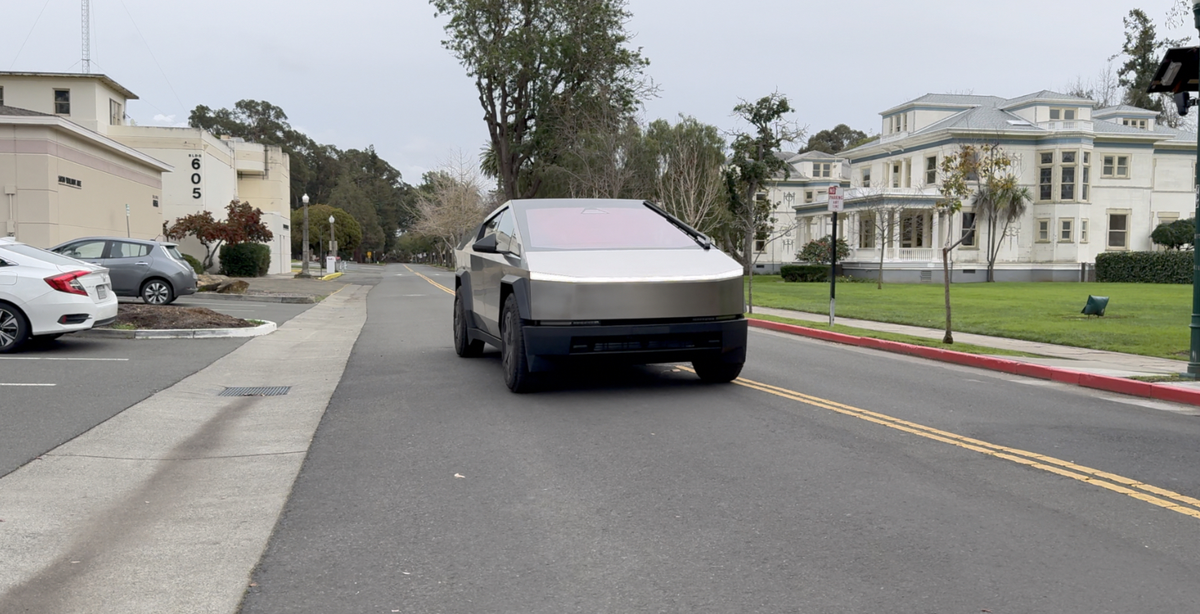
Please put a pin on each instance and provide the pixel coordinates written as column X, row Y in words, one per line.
column 1147, row 319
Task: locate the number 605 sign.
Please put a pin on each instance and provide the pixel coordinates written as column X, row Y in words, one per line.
column 196, row 177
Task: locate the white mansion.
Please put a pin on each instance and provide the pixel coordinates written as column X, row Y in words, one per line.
column 1101, row 180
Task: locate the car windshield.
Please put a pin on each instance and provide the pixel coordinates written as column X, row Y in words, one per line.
column 601, row 225
column 40, row 254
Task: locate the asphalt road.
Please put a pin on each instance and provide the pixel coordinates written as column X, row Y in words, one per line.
column 53, row 391
column 829, row 479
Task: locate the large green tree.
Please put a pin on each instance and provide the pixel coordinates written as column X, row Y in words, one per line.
column 835, row 139
column 1142, row 52
column 537, row 64
column 755, row 161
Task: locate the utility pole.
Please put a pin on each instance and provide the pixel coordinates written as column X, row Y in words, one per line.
column 87, row 37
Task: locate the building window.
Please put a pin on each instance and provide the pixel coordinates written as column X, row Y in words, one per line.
column 760, row 245
column 866, row 178
column 1115, row 167
column 969, row 238
column 1064, row 114
column 820, row 169
column 1083, row 228
column 1118, row 231
column 1, row 95
column 1067, row 176
column 1065, row 234
column 931, row 170
column 1046, row 176
column 68, row 181
column 62, row 102
column 1043, row 231
column 866, row 230
column 808, row 196
column 912, row 229
column 116, row 115
column 155, row 201
column 1136, row 123
column 1085, row 187
column 896, row 171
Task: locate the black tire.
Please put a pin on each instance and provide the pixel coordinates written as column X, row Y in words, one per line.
column 463, row 346
column 14, row 328
column 715, row 372
column 157, row 292
column 512, row 349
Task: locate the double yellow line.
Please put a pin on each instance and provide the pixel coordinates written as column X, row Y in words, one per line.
column 1154, row 495
column 1161, row 497
column 436, row 284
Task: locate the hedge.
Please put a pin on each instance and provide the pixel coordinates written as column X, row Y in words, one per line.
column 195, row 262
column 804, row 272
column 245, row 260
column 1169, row 267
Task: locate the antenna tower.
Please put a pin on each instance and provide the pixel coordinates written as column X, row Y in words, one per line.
column 87, row 37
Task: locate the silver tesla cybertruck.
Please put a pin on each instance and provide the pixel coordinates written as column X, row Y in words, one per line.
column 572, row 280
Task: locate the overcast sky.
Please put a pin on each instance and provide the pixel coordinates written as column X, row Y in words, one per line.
column 354, row 73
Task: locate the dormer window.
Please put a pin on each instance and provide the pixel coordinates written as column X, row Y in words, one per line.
column 1136, row 123
column 1062, row 114
column 820, row 169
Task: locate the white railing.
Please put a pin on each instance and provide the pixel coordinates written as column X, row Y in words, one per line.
column 1068, row 125
column 895, row 254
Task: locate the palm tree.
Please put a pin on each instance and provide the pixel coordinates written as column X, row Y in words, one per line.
column 1001, row 201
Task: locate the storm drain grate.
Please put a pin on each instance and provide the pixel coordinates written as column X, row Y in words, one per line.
column 255, row 391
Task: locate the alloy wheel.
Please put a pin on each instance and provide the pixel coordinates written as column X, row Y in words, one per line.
column 156, row 293
column 9, row 328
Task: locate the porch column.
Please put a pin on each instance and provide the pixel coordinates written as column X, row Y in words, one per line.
column 937, row 235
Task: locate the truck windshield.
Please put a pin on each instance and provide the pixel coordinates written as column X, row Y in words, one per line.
column 600, row 225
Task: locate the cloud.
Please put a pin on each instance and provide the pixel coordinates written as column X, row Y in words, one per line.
column 164, row 119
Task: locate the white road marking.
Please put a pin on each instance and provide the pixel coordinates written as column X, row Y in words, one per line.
column 3, row 384
column 78, row 359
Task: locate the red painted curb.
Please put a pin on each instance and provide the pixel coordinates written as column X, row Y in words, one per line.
column 1108, row 383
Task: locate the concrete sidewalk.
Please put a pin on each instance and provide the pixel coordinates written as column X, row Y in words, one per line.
column 1109, row 371
column 167, row 506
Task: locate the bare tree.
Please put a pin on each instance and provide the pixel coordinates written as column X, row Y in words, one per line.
column 690, row 181
column 1104, row 89
column 881, row 226
column 451, row 203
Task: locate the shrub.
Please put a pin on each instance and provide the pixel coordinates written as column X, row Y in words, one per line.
column 1170, row 267
column 1175, row 235
column 195, row 262
column 804, row 272
column 245, row 259
column 818, row 250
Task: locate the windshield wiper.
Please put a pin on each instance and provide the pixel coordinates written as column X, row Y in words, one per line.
column 700, row 238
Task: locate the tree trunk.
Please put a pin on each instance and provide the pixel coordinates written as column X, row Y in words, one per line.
column 949, row 337
column 991, row 250
column 748, row 246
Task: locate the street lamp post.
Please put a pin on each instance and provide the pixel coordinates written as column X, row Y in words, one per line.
column 1194, row 353
column 1179, row 73
column 304, row 265
column 332, row 245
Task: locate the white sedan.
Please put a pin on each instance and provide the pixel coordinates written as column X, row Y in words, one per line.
column 43, row 294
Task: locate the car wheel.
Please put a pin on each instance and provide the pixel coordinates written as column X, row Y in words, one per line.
column 715, row 372
column 463, row 345
column 14, row 330
column 157, row 292
column 512, row 349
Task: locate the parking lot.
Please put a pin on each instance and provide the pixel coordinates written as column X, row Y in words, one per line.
column 52, row 392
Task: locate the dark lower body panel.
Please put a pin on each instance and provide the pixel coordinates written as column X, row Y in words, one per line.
column 723, row 341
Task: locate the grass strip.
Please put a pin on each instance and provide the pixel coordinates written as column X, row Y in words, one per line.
column 965, row 348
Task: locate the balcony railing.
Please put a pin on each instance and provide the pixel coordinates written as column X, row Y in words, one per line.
column 1068, row 125
column 895, row 254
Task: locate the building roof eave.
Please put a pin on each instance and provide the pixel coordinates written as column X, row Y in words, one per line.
column 68, row 126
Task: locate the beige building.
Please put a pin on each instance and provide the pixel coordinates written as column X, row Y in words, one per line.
column 193, row 170
column 61, row 181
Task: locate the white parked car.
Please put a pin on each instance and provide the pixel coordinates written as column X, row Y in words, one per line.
column 43, row 294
